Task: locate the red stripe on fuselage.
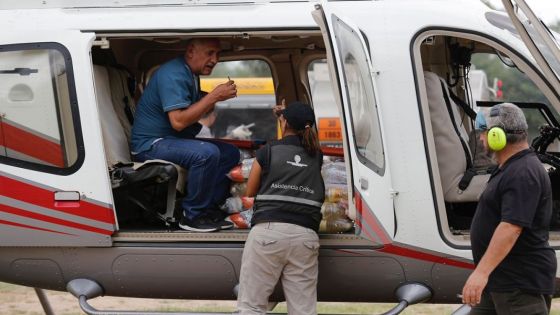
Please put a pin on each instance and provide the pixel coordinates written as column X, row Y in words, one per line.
column 406, row 252
column 45, row 198
column 370, row 220
column 392, row 248
column 30, row 227
column 46, row 218
column 32, row 145
column 369, row 235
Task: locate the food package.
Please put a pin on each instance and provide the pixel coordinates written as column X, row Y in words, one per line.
column 339, row 225
column 247, row 202
column 232, row 205
column 237, row 204
column 236, row 175
column 246, row 166
column 240, row 173
column 336, row 192
column 332, row 211
column 334, row 172
column 238, row 189
column 245, row 155
column 344, row 204
column 241, row 220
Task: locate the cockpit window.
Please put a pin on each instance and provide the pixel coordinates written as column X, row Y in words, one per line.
column 539, row 38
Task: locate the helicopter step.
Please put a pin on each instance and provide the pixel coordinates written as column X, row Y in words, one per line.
column 85, row 289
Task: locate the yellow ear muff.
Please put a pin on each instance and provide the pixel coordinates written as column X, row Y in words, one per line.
column 496, row 138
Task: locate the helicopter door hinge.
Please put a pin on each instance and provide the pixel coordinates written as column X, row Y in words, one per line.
column 393, row 193
column 103, row 43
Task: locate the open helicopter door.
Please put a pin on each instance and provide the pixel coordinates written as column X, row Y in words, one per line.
column 540, row 41
column 54, row 187
column 348, row 56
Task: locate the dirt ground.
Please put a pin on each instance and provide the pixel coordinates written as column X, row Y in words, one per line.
column 18, row 300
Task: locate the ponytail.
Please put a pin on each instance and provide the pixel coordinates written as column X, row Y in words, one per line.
column 309, row 140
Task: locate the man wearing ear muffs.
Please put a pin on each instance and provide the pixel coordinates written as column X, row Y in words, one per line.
column 515, row 266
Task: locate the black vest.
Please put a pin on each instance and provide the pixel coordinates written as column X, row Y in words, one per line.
column 291, row 185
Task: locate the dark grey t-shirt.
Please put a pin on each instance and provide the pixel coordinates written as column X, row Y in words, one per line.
column 518, row 193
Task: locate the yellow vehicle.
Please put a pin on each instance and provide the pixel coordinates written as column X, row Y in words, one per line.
column 254, row 103
column 252, row 107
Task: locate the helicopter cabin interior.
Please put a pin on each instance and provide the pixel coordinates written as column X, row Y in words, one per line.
column 263, row 65
column 445, row 63
column 449, row 63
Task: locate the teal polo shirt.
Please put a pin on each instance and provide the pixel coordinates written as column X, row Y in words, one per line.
column 173, row 86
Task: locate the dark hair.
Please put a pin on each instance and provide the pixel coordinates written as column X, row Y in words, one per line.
column 301, row 118
column 309, row 140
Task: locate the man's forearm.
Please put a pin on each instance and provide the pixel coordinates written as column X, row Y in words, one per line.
column 502, row 242
column 182, row 118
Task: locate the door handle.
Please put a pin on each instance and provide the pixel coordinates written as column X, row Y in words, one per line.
column 364, row 184
column 66, row 196
column 67, row 199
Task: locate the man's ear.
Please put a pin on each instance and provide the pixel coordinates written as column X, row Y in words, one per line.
column 189, row 52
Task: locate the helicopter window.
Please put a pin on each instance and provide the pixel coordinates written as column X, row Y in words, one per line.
column 247, row 116
column 488, row 76
column 37, row 107
column 363, row 108
column 508, row 84
column 539, row 39
column 326, row 113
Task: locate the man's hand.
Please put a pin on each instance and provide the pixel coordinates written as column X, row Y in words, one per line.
column 224, row 91
column 472, row 291
column 276, row 109
column 503, row 239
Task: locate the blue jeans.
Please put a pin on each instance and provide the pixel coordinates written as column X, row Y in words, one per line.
column 207, row 163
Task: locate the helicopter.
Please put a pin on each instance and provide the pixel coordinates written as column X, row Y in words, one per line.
column 77, row 215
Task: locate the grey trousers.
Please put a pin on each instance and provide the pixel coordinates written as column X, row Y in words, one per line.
column 512, row 303
column 276, row 251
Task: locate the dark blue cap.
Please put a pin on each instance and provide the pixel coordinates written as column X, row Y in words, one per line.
column 299, row 115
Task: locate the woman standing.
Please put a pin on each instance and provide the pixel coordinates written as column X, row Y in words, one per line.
column 283, row 242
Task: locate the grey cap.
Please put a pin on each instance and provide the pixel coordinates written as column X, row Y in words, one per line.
column 508, row 116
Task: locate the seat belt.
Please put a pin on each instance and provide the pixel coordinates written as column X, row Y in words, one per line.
column 470, row 172
column 450, row 111
column 466, row 179
column 466, row 108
